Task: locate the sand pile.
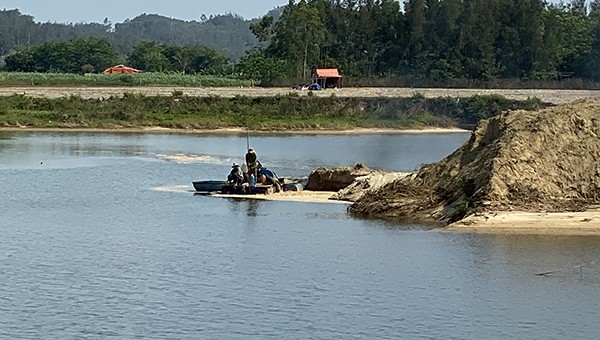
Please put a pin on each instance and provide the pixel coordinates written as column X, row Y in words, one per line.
column 337, row 178
column 547, row 160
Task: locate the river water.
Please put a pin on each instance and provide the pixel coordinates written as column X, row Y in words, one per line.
column 101, row 237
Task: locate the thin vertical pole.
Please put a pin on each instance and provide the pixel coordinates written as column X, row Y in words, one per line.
column 247, row 137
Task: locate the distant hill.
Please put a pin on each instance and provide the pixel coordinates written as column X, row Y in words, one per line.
column 229, row 33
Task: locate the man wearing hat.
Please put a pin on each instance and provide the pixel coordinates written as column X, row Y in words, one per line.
column 236, row 176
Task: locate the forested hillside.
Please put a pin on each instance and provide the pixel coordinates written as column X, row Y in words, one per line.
column 228, row 34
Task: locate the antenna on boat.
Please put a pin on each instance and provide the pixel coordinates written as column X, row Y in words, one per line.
column 247, row 136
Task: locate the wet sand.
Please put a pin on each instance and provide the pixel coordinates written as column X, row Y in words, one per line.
column 305, row 196
column 518, row 222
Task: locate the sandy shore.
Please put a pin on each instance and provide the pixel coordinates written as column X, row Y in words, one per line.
column 235, row 131
column 305, row 196
column 506, row 223
column 546, row 95
column 502, row 223
column 516, row 222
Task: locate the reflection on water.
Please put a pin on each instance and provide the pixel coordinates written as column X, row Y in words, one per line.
column 247, row 206
column 582, row 254
column 5, row 135
column 97, row 246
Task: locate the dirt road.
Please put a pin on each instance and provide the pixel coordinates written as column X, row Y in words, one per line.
column 549, row 96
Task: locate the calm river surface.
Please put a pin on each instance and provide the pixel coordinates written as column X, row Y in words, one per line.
column 101, row 237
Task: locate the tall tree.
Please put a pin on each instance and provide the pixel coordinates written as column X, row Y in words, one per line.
column 578, row 36
column 592, row 65
column 388, row 36
column 263, row 29
column 415, row 27
column 476, row 40
column 149, row 56
column 551, row 56
column 256, row 66
column 298, row 36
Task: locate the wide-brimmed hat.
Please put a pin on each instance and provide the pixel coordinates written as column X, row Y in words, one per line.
column 234, row 165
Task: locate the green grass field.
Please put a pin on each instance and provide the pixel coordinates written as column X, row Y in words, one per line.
column 138, row 79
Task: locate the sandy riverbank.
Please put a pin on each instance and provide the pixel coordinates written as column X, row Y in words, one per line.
column 236, row 131
column 305, row 196
column 518, row 222
column 498, row 223
column 505, row 222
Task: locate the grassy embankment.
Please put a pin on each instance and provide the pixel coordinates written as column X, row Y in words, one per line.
column 290, row 112
column 139, row 79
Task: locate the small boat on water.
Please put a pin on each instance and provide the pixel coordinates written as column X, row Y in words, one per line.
column 209, row 186
column 268, row 183
column 224, row 187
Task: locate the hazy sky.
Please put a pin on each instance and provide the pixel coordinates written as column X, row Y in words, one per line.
column 118, row 10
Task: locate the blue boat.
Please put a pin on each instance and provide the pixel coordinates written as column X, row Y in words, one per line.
column 209, row 186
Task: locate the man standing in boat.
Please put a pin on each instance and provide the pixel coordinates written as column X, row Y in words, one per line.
column 252, row 162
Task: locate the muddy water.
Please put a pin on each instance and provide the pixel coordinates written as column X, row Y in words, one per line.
column 102, row 238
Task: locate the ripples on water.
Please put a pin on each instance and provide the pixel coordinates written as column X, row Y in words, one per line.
column 98, row 245
column 189, row 159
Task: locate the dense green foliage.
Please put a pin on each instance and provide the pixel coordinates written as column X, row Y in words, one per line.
column 75, row 56
column 89, row 55
column 153, row 57
column 418, row 41
column 256, row 66
column 261, row 113
column 437, row 39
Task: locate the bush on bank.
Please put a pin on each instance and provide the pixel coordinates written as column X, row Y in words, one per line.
column 259, row 113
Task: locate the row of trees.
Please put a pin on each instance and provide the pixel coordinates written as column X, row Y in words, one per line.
column 75, row 56
column 154, row 57
column 431, row 39
column 439, row 39
column 89, row 55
